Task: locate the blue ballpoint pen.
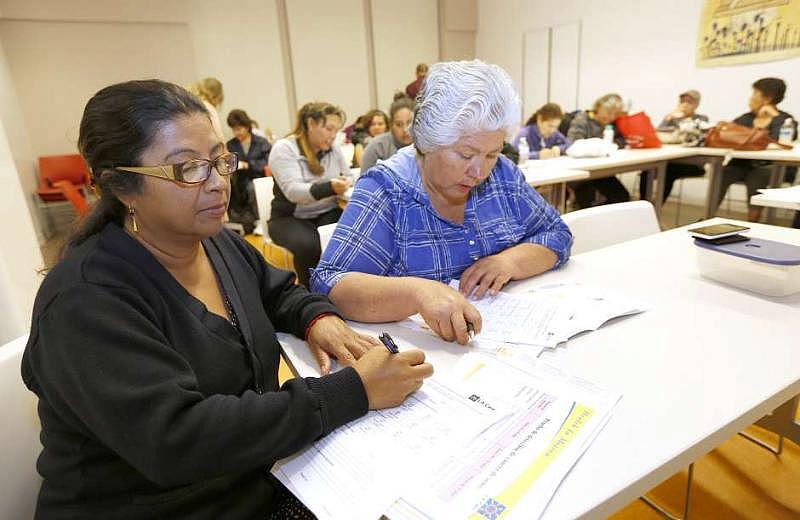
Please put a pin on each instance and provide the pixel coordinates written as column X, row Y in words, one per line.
column 388, row 342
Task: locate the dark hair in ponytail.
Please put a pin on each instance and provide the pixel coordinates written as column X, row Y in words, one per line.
column 547, row 112
column 119, row 123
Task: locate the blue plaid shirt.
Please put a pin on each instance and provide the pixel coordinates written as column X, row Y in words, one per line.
column 390, row 227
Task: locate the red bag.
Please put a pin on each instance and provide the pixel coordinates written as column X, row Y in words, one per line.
column 638, row 131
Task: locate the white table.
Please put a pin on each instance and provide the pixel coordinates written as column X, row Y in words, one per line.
column 765, row 199
column 705, row 361
column 556, row 177
column 620, row 161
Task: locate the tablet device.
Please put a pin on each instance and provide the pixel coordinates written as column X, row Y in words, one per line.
column 717, row 231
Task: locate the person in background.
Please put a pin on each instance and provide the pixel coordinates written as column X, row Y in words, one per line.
column 412, row 89
column 210, row 92
column 310, row 173
column 764, row 113
column 685, row 111
column 541, row 133
column 253, row 153
column 153, row 350
column 401, row 113
column 451, row 207
column 591, row 123
column 373, row 124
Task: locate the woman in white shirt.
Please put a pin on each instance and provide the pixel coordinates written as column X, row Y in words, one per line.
column 309, row 171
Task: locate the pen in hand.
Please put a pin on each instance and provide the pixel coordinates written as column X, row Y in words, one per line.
column 470, row 330
column 389, row 343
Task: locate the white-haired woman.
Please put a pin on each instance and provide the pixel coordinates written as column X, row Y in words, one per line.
column 449, row 207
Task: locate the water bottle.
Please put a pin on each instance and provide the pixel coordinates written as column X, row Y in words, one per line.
column 524, row 150
column 786, row 134
column 608, row 134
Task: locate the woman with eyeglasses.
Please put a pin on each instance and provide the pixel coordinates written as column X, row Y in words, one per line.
column 152, row 347
column 310, row 173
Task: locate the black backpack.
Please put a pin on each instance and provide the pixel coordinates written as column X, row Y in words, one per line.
column 568, row 117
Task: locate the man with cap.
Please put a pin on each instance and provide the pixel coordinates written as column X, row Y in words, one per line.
column 685, row 111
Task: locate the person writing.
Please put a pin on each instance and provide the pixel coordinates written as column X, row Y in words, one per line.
column 310, row 172
column 541, row 133
column 152, row 347
column 448, row 208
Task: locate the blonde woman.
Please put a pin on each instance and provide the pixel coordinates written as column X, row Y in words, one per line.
column 209, row 90
column 309, row 172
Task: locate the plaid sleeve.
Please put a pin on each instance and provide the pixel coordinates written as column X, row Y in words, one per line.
column 364, row 239
column 542, row 221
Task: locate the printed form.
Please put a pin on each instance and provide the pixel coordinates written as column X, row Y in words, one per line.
column 360, row 469
column 514, row 468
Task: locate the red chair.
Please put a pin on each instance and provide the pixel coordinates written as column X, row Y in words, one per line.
column 63, row 179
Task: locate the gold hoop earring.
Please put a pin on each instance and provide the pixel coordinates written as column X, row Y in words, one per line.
column 132, row 214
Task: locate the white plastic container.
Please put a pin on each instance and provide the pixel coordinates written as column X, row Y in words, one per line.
column 758, row 265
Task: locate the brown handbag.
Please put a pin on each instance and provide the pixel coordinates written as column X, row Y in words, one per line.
column 738, row 137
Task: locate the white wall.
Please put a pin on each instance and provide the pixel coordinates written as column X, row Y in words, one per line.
column 401, row 42
column 53, row 89
column 20, row 256
column 645, row 50
column 329, row 53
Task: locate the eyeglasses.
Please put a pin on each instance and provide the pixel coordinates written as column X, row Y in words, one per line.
column 193, row 171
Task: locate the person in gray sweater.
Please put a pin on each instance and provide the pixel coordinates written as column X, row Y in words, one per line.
column 401, row 114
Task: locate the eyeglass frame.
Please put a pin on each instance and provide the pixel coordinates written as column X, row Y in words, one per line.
column 172, row 172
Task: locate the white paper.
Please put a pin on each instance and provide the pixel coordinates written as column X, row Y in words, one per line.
column 516, row 465
column 384, row 451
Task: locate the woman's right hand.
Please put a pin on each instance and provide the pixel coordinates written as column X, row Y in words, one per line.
column 389, row 378
column 446, row 311
column 340, row 185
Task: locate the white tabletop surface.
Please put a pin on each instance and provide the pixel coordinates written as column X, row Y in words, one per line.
column 619, row 158
column 769, row 155
column 702, row 363
column 544, row 177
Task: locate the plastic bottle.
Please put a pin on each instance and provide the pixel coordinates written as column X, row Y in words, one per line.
column 786, row 133
column 524, row 150
column 608, row 134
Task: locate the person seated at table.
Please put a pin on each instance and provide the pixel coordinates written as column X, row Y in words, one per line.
column 764, row 113
column 152, row 347
column 253, row 153
column 448, row 208
column 310, row 172
column 401, row 113
column 591, row 123
column 541, row 133
column 685, row 111
column 374, row 123
column 413, row 88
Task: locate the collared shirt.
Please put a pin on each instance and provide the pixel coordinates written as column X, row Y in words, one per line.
column 390, row 227
column 537, row 142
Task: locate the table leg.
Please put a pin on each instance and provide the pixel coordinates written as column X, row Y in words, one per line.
column 661, row 180
column 775, row 181
column 714, row 185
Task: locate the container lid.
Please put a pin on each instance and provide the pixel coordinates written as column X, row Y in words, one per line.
column 758, row 250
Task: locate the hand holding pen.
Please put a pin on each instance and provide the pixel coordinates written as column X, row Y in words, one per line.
column 446, row 311
column 389, row 375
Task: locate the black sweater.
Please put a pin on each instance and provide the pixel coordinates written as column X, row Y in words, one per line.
column 152, row 406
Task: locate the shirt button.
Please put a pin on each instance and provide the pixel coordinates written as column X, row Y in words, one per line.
column 472, row 242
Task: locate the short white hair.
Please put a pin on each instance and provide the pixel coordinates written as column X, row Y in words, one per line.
column 459, row 98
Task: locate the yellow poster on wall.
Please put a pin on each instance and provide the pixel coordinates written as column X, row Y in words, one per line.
column 748, row 31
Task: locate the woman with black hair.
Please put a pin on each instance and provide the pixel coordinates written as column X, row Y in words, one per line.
column 152, row 347
column 253, row 152
column 763, row 113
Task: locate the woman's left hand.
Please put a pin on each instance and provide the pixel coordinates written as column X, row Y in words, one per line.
column 330, row 337
column 490, row 273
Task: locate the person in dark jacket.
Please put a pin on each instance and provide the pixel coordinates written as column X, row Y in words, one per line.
column 763, row 113
column 253, row 152
column 588, row 124
column 152, row 347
